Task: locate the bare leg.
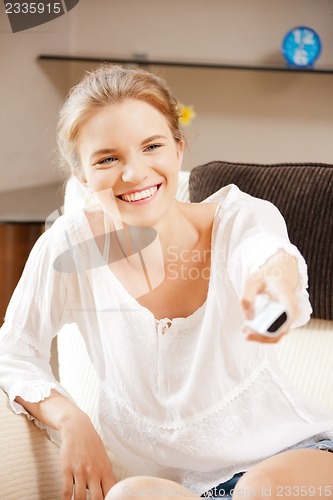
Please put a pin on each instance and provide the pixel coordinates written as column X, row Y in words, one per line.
column 294, row 473
column 146, row 488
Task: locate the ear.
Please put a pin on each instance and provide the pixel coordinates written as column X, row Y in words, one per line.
column 180, row 152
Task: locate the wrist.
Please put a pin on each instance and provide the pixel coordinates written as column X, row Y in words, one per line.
column 72, row 419
column 281, row 269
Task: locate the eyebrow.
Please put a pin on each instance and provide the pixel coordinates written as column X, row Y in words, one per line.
column 104, row 151
column 112, row 151
column 153, row 138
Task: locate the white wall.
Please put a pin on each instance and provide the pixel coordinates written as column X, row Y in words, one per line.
column 241, row 115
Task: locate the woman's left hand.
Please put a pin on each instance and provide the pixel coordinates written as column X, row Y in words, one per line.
column 278, row 279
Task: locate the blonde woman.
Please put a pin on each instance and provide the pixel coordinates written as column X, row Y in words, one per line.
column 190, row 403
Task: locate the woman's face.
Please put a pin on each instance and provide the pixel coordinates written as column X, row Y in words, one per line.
column 129, row 148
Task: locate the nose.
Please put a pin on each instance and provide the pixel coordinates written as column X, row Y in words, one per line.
column 135, row 171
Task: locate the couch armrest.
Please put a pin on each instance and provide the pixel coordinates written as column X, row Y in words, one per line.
column 29, row 461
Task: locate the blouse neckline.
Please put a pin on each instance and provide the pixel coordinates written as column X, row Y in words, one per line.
column 164, row 324
column 191, row 318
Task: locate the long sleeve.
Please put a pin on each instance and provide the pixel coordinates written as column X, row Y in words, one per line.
column 37, row 310
column 252, row 230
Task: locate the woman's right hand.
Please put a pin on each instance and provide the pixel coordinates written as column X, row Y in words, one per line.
column 85, row 463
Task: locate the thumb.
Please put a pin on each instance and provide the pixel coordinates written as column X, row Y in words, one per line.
column 254, row 286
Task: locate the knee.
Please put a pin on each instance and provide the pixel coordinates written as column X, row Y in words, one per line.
column 131, row 488
column 146, row 488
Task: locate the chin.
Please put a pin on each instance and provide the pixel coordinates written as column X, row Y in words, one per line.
column 149, row 221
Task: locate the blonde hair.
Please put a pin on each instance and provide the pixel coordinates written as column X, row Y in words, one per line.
column 111, row 84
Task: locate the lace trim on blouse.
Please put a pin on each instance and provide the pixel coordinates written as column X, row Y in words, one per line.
column 232, row 411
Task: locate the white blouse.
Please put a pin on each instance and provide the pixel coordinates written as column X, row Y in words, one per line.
column 187, row 399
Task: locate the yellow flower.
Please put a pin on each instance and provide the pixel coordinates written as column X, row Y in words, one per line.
column 187, row 114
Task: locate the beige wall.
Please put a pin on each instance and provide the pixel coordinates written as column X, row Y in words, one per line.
column 30, row 99
column 241, row 115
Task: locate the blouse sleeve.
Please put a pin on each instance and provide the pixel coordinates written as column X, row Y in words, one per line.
column 258, row 232
column 37, row 310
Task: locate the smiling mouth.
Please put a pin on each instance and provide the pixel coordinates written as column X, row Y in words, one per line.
column 145, row 194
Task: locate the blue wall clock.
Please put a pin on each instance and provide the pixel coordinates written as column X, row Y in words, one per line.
column 301, row 47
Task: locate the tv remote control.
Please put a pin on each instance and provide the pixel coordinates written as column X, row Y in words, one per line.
column 269, row 317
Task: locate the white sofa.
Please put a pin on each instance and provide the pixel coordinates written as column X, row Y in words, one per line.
column 30, row 463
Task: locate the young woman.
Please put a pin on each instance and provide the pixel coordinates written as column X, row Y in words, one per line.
column 190, row 403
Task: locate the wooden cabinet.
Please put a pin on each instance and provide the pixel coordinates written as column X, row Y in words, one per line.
column 22, row 221
column 16, row 242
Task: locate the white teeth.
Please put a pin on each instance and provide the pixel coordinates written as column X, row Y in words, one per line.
column 139, row 195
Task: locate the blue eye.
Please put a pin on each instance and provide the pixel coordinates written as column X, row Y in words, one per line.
column 106, row 161
column 152, row 147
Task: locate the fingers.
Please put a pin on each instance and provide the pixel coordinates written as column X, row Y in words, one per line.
column 67, row 485
column 107, row 484
column 76, row 488
column 255, row 337
column 277, row 292
column 254, row 286
column 96, row 491
column 80, row 487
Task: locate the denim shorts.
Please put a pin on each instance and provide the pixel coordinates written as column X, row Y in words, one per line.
column 225, row 490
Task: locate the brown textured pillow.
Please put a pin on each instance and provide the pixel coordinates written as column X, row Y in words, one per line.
column 303, row 192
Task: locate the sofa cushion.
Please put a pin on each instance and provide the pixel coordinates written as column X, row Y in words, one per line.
column 303, row 192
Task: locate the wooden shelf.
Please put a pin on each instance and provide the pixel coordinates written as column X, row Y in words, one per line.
column 177, row 64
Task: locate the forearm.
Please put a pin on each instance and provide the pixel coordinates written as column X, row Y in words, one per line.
column 280, row 272
column 56, row 411
column 281, row 267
